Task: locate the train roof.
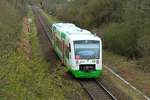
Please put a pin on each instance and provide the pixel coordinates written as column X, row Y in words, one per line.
column 74, row 32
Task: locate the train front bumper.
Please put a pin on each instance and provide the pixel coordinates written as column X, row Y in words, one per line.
column 84, row 74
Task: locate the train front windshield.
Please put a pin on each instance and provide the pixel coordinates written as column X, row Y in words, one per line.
column 87, row 49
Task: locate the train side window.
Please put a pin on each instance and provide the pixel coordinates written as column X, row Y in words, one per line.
column 67, row 52
column 69, row 47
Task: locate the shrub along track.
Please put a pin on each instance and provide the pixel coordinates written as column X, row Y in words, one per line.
column 92, row 87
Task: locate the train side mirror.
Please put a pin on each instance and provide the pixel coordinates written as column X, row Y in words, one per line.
column 94, row 34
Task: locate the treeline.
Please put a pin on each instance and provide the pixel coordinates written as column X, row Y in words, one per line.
column 88, row 13
column 124, row 24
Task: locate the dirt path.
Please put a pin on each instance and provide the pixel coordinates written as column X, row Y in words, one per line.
column 24, row 43
column 26, row 25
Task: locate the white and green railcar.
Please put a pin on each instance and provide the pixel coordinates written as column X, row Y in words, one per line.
column 78, row 49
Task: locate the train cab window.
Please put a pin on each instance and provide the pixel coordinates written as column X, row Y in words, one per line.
column 87, row 49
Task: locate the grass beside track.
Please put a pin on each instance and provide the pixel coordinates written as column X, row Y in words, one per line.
column 49, row 18
column 129, row 71
column 24, row 78
column 10, row 27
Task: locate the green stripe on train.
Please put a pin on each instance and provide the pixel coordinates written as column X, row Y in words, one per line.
column 63, row 35
column 84, row 74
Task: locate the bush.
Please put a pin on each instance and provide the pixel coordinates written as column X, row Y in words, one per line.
column 126, row 37
column 144, row 45
column 120, row 39
column 144, row 63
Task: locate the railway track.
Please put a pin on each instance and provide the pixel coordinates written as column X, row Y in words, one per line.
column 96, row 90
column 92, row 87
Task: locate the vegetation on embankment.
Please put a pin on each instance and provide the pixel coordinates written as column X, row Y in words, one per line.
column 24, row 73
column 118, row 88
column 22, row 78
column 50, row 19
column 10, row 26
column 129, row 71
column 124, row 24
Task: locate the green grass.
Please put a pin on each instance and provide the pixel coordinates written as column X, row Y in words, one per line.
column 118, row 88
column 129, row 70
column 10, row 26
